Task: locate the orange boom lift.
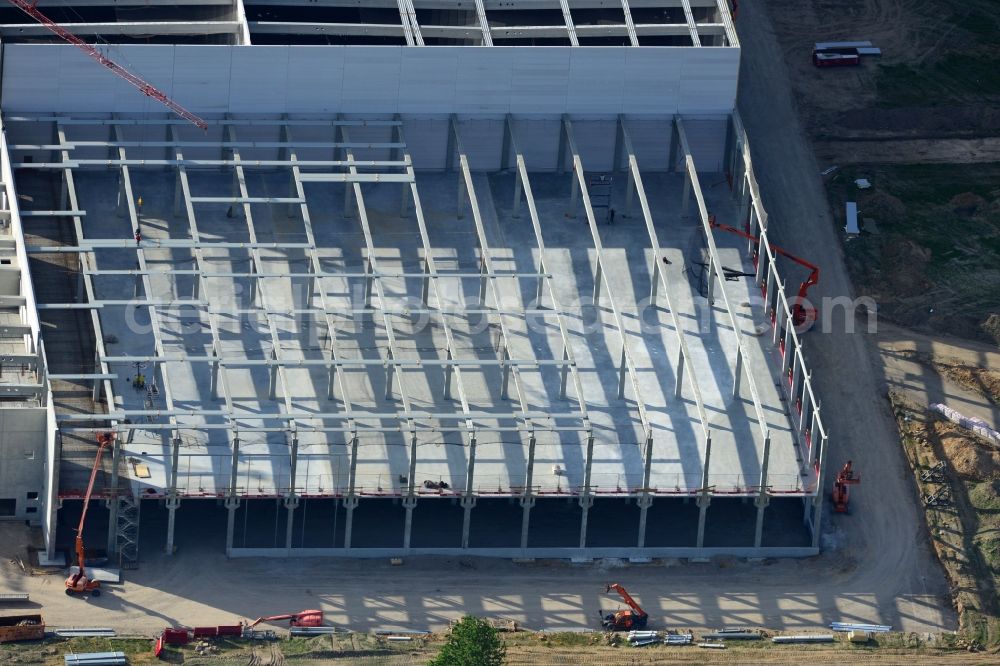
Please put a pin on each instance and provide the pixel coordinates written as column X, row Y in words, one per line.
column 624, row 620
column 306, row 618
column 841, row 487
column 78, row 583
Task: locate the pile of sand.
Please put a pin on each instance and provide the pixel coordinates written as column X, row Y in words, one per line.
column 971, row 459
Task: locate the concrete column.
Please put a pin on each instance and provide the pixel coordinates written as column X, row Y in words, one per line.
column 173, row 502
column 805, row 405
column 215, row 377
column 448, row 371
column 468, row 503
column 737, row 372
column 348, row 200
column 629, row 192
column 820, row 494
column 178, row 194
column 564, row 373
column 705, row 498
column 703, row 501
column 231, row 504
column 586, row 502
column 528, row 500
column 644, row 501
column 574, row 196
column 291, row 503
column 409, row 503
column 598, row 279
column 517, row 196
column 622, row 371
column 469, row 500
column 113, row 498
column 505, row 382
column 505, row 146
column 679, row 374
column 526, row 504
column 350, row 504
column 686, row 194
column 763, row 499
column 461, row 197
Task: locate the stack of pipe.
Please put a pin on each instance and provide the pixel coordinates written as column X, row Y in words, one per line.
column 96, row 659
column 848, row 626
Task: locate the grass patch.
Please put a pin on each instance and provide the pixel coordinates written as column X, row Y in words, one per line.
column 957, row 76
column 938, row 245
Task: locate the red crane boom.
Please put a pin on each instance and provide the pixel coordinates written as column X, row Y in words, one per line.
column 144, row 87
column 79, row 583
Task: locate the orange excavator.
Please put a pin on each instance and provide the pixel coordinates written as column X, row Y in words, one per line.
column 624, row 620
column 841, row 487
column 79, row 583
column 306, row 618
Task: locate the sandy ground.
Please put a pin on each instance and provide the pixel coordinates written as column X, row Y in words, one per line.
column 905, row 355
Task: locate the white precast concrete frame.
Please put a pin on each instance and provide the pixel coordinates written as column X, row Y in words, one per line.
column 291, row 421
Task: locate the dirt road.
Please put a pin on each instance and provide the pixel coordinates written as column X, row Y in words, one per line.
column 884, row 540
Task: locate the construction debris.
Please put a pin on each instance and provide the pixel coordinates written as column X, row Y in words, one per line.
column 6, row 597
column 935, row 474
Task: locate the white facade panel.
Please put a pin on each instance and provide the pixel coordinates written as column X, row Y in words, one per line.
column 315, row 80
column 378, row 79
column 539, row 80
column 427, row 142
column 483, row 80
column 707, row 76
column 201, row 78
column 595, row 80
column 427, row 80
column 483, row 143
column 538, row 141
column 259, row 80
column 371, row 79
column 595, row 139
column 652, row 81
column 651, row 143
column 707, row 140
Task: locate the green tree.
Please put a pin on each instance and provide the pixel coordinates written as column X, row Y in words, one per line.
column 473, row 642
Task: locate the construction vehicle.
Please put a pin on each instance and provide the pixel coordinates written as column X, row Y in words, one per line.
column 624, row 620
column 147, row 89
column 306, row 618
column 841, row 494
column 802, row 310
column 79, row 583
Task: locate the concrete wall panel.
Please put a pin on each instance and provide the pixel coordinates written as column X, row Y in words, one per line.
column 377, row 79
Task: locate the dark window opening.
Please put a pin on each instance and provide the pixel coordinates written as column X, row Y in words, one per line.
column 8, row 507
column 32, row 495
column 31, row 509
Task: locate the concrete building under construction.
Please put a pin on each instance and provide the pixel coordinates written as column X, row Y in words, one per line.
column 439, row 277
